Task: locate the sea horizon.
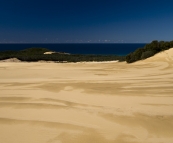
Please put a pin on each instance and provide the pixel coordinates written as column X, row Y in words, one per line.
column 78, row 48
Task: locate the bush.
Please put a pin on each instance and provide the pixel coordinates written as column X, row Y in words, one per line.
column 135, row 56
column 171, row 44
column 34, row 51
column 147, row 54
column 148, row 50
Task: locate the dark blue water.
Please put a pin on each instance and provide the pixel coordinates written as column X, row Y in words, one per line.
column 103, row 49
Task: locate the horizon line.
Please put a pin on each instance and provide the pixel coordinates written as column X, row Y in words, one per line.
column 76, row 43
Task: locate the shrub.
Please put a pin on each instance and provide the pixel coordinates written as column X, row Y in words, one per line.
column 148, row 50
column 171, row 44
column 34, row 51
column 166, row 46
column 135, row 56
column 147, row 54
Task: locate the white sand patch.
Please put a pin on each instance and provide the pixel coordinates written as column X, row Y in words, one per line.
column 49, row 53
column 11, row 60
column 101, row 62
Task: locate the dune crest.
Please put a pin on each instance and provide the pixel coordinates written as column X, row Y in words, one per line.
column 166, row 55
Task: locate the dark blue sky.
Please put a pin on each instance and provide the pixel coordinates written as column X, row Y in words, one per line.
column 61, row 21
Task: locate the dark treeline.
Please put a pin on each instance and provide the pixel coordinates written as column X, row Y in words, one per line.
column 37, row 54
column 148, row 50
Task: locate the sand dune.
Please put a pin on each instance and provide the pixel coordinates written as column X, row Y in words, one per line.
column 166, row 55
column 11, row 60
column 108, row 102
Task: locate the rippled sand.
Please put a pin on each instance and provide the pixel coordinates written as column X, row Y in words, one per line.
column 87, row 102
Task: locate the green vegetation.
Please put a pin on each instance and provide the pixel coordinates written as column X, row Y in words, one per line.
column 148, row 50
column 34, row 51
column 37, row 54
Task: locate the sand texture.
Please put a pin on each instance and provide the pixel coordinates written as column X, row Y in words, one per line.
column 87, row 102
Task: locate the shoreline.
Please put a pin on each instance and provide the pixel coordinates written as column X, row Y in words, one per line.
column 15, row 60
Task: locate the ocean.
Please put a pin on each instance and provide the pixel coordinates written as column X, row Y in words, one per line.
column 98, row 49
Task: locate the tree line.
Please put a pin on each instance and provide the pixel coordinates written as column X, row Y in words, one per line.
column 148, row 50
column 37, row 54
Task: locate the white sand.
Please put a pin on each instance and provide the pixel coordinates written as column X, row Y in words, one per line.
column 49, row 53
column 11, row 60
column 87, row 103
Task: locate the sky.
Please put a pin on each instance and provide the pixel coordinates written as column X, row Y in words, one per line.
column 85, row 21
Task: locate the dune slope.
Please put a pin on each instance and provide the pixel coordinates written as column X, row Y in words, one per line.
column 87, row 102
